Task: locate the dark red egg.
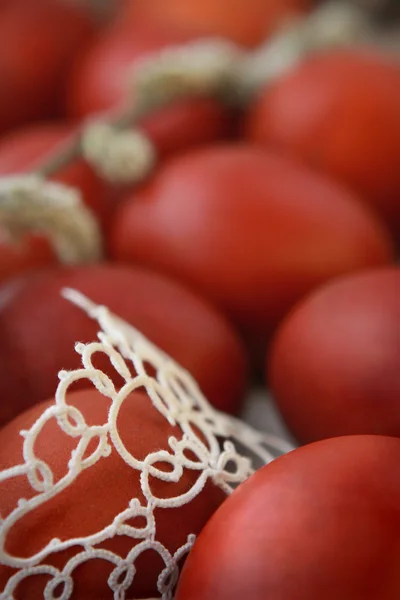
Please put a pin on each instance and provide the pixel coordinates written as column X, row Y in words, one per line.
column 39, row 328
column 252, row 231
column 39, row 41
column 322, row 522
column 334, row 366
column 339, row 112
column 103, row 81
column 246, row 22
column 32, row 252
column 97, row 496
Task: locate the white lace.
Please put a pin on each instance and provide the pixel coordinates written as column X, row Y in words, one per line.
column 175, row 394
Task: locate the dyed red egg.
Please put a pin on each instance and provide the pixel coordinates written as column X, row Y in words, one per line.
column 340, row 113
column 31, row 252
column 104, row 75
column 39, row 328
column 254, row 232
column 38, row 43
column 334, row 365
column 321, row 522
column 246, row 22
column 97, row 496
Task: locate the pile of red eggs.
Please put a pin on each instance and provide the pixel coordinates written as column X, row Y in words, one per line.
column 264, row 241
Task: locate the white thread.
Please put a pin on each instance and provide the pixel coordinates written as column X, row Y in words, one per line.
column 220, row 68
column 333, row 24
column 119, row 156
column 29, row 203
column 206, row 67
column 176, row 395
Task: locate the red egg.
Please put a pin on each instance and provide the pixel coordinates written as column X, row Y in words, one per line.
column 23, row 150
column 253, row 231
column 38, row 42
column 340, row 113
column 31, row 252
column 246, row 22
column 102, row 79
column 99, row 494
column 334, row 366
column 322, row 522
column 39, row 328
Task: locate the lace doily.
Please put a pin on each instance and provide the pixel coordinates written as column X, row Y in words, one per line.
column 223, row 450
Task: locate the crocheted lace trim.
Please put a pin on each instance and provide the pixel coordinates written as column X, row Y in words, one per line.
column 231, row 453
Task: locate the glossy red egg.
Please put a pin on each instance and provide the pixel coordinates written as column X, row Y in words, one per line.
column 253, row 231
column 39, row 328
column 246, row 22
column 39, row 41
column 99, row 494
column 102, row 79
column 334, row 366
column 339, row 112
column 322, row 522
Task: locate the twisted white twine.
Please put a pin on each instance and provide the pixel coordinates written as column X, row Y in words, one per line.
column 118, row 156
column 29, row 203
column 206, row 67
column 334, row 24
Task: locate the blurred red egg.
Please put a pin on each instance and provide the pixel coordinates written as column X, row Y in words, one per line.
column 17, row 257
column 340, row 113
column 103, row 77
column 97, row 496
column 39, row 40
column 252, row 231
column 334, row 366
column 322, row 522
column 246, row 22
column 39, row 328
